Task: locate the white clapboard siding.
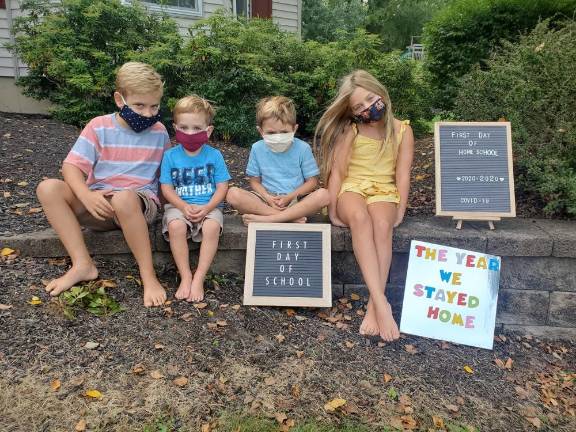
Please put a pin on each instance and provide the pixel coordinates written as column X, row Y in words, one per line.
column 287, row 14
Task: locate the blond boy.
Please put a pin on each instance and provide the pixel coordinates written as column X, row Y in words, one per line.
column 282, row 170
column 194, row 180
column 110, row 181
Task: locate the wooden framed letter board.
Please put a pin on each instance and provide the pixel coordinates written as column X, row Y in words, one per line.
column 288, row 264
column 474, row 175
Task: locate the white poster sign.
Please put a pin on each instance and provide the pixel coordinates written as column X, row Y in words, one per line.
column 451, row 294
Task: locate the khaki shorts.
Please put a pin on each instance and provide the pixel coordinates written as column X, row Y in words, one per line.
column 294, row 201
column 149, row 209
column 194, row 231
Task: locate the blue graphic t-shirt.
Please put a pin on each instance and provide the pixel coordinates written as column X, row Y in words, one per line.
column 282, row 173
column 194, row 178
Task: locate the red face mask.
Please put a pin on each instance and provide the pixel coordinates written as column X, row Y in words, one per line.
column 192, row 142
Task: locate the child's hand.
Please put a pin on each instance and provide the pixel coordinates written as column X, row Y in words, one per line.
column 399, row 216
column 283, row 201
column 271, row 200
column 199, row 213
column 189, row 210
column 97, row 205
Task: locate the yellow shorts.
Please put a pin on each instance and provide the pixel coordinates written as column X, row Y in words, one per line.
column 372, row 192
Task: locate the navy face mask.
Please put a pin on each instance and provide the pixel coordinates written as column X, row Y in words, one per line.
column 371, row 114
column 136, row 121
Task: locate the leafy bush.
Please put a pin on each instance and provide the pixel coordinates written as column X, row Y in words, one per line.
column 464, row 33
column 532, row 84
column 73, row 48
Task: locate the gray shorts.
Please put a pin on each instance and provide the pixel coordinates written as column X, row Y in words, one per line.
column 194, row 231
column 149, row 209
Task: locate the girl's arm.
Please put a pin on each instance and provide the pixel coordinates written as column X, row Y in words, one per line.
column 340, row 159
column 403, row 168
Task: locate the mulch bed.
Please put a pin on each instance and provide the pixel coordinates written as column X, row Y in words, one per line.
column 33, row 147
column 259, row 361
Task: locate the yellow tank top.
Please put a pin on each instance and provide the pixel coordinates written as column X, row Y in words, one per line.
column 369, row 171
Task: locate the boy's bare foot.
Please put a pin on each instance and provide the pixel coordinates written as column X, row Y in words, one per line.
column 388, row 327
column 249, row 218
column 369, row 326
column 184, row 288
column 196, row 291
column 154, row 293
column 77, row 273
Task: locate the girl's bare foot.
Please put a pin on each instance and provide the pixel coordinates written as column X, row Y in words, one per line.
column 196, row 291
column 388, row 327
column 369, row 326
column 184, row 288
column 154, row 292
column 77, row 273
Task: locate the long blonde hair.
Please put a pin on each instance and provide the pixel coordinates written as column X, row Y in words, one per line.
column 338, row 115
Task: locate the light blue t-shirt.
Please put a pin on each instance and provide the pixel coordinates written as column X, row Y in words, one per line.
column 194, row 178
column 282, row 173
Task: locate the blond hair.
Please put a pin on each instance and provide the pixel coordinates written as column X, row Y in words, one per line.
column 194, row 104
column 138, row 78
column 339, row 114
column 276, row 107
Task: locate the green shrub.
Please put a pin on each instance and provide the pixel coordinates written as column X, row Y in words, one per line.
column 73, row 48
column 464, row 33
column 532, row 84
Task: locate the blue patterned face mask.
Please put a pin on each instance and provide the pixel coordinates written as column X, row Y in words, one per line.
column 136, row 121
column 371, row 114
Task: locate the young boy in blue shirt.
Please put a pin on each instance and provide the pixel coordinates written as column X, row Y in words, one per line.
column 282, row 170
column 194, row 181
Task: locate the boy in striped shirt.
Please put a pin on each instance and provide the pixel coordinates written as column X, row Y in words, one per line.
column 111, row 181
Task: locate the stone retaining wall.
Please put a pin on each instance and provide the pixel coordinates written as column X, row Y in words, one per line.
column 537, row 283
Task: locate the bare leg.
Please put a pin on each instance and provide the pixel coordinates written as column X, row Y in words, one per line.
column 312, row 203
column 128, row 208
column 248, row 203
column 382, row 214
column 353, row 211
column 177, row 230
column 208, row 247
column 61, row 207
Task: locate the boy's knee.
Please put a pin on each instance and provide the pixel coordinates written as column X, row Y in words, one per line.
column 323, row 197
column 177, row 227
column 210, row 228
column 127, row 200
column 49, row 188
column 233, row 195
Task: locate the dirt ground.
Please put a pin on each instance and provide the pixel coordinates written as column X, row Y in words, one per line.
column 270, row 362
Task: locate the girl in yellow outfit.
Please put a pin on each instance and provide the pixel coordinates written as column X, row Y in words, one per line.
column 366, row 156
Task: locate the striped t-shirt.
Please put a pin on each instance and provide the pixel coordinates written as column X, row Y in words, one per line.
column 115, row 157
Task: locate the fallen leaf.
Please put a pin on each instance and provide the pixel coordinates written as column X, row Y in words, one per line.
column 80, row 426
column 95, row 394
column 452, row 407
column 354, row 297
column 55, row 385
column 35, row 210
column 535, row 421
column 22, row 183
column 159, row 346
column 6, row 251
column 212, row 326
column 280, row 338
column 236, row 307
column 7, row 194
column 300, row 318
column 387, row 378
column 181, row 381
column 35, row 301
column 349, row 344
column 411, row 349
column 269, row 380
column 138, row 369
column 468, row 369
column 522, row 392
column 91, row 345
column 221, row 323
column 290, row 312
column 508, row 364
column 187, row 317
column 200, row 305
column 296, row 391
column 438, row 422
column 156, row 374
column 280, row 417
column 107, row 283
column 334, row 404
column 299, row 354
column 5, row 306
